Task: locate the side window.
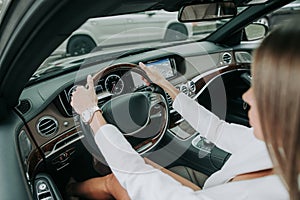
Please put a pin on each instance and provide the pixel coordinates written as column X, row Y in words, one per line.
column 281, row 15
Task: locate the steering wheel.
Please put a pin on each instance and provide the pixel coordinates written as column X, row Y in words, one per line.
column 141, row 115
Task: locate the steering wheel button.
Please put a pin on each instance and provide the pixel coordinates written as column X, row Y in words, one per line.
column 42, row 186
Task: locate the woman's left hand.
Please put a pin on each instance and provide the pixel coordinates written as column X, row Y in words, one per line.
column 84, row 98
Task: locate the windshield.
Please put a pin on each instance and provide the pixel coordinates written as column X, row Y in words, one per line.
column 137, row 32
column 125, row 33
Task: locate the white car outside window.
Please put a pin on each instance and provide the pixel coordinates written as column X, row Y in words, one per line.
column 149, row 26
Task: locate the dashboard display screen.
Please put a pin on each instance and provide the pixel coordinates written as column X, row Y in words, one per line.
column 164, row 66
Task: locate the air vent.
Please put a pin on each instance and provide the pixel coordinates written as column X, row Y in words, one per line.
column 169, row 99
column 47, row 126
column 184, row 89
column 227, row 58
column 24, row 106
column 243, row 57
column 192, row 86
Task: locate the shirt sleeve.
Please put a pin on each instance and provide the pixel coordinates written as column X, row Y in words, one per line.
column 141, row 180
column 230, row 137
column 267, row 187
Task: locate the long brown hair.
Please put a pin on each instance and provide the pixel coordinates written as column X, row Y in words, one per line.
column 276, row 84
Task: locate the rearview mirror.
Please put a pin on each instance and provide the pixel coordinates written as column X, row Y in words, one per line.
column 207, row 11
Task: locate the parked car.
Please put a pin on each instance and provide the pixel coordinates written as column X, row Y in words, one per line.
column 147, row 26
column 281, row 15
column 43, row 141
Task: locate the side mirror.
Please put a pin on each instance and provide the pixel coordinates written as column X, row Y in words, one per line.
column 255, row 31
column 207, row 11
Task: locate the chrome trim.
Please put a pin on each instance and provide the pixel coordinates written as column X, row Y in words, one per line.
column 191, row 86
column 200, row 76
column 142, row 127
column 142, row 148
column 182, row 139
column 158, row 140
column 60, row 100
column 103, row 95
column 54, row 150
column 245, row 106
column 47, row 118
column 184, row 89
column 172, row 111
column 63, row 166
column 224, row 61
column 179, row 121
column 159, row 136
column 155, row 99
column 240, row 57
column 211, row 80
column 121, row 82
column 197, row 139
column 203, row 88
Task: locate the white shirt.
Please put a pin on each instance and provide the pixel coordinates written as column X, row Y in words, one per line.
column 143, row 182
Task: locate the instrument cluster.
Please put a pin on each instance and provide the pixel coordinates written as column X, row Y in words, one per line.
column 112, row 84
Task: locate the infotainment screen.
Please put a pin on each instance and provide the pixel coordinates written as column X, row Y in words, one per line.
column 164, row 66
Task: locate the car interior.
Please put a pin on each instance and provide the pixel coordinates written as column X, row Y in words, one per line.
column 45, row 143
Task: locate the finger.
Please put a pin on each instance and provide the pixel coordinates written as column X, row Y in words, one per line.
column 72, row 103
column 143, row 66
column 90, row 82
column 78, row 90
column 79, row 87
column 146, row 81
column 143, row 79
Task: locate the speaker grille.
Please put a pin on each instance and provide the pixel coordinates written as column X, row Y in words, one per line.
column 24, row 106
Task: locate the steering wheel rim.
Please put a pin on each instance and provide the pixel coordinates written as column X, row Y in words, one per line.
column 158, row 113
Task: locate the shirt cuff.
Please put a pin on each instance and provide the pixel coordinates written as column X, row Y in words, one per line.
column 178, row 101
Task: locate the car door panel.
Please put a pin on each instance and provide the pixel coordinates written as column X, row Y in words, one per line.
column 12, row 175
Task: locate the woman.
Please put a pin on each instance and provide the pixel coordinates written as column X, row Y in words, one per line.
column 276, row 72
column 248, row 174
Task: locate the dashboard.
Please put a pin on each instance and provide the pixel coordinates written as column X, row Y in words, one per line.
column 117, row 83
column 46, row 106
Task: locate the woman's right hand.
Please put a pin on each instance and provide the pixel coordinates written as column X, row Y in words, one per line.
column 154, row 75
column 158, row 79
